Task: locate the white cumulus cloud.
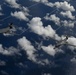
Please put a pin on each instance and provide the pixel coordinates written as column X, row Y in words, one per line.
column 36, row 25
column 72, row 40
column 28, row 47
column 42, row 1
column 13, row 3
column 53, row 18
column 8, row 51
column 68, row 14
column 20, row 15
column 64, row 5
column 49, row 50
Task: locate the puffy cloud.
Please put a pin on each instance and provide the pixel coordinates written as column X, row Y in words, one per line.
column 72, row 41
column 49, row 4
column 20, row 15
column 61, row 5
column 49, row 50
column 68, row 14
column 13, row 3
column 31, row 52
column 53, row 18
column 43, row 1
column 64, row 5
column 37, row 27
column 8, row 51
column 27, row 46
column 0, row 11
column 68, row 23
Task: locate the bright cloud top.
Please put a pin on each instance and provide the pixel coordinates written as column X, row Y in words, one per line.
column 53, row 18
column 36, row 25
column 68, row 14
column 27, row 46
column 49, row 50
column 64, row 5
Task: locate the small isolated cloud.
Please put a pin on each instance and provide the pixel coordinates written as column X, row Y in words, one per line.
column 49, row 50
column 8, row 51
column 53, row 18
column 72, row 41
column 3, row 72
column 20, row 15
column 68, row 23
column 25, row 10
column 13, row 3
column 68, row 14
column 27, row 46
column 36, row 25
column 42, row 1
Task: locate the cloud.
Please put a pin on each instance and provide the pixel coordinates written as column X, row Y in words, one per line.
column 3, row 72
column 13, row 3
column 31, row 52
column 72, row 40
column 49, row 50
column 73, row 60
column 8, row 51
column 27, row 46
column 42, row 1
column 68, row 23
column 60, row 5
column 36, row 25
column 20, row 15
column 0, row 11
column 58, row 21
column 64, row 5
column 53, row 18
column 1, row 14
column 46, row 74
column 68, row 14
